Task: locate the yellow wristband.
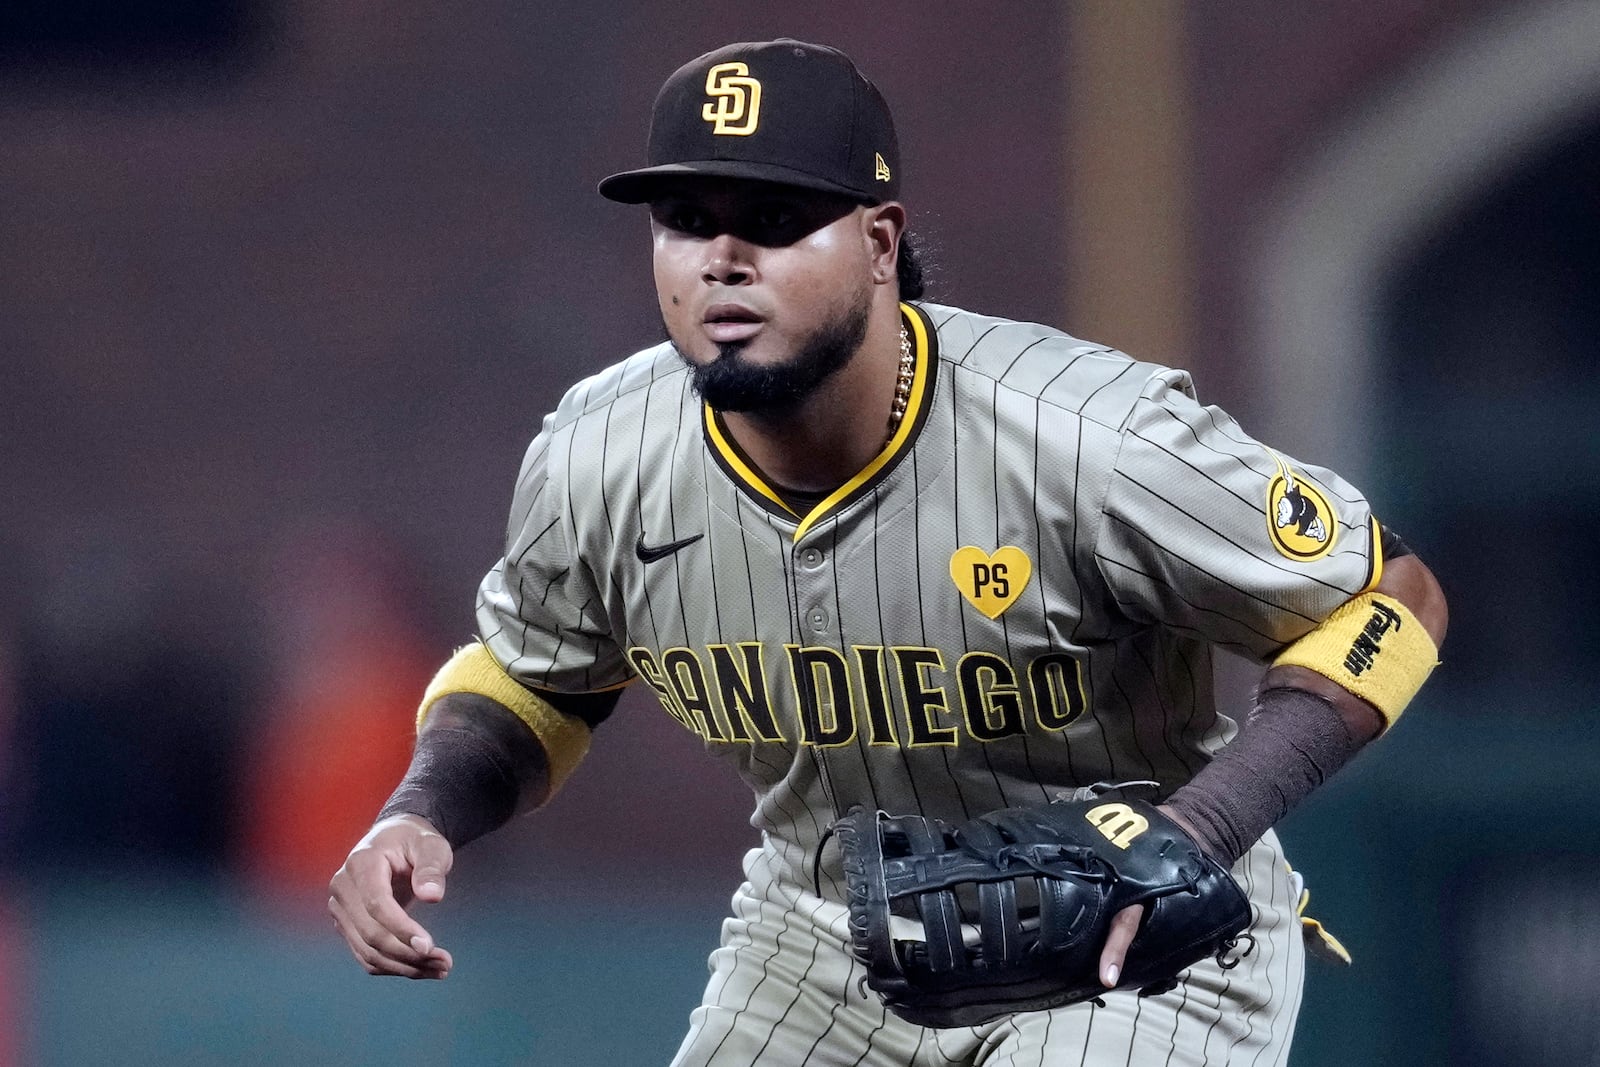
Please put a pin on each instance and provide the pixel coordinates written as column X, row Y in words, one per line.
column 1373, row 646
column 564, row 738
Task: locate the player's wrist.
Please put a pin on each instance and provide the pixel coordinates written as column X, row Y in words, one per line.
column 390, row 817
column 1207, row 825
column 1187, row 827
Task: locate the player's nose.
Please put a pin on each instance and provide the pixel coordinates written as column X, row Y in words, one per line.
column 728, row 261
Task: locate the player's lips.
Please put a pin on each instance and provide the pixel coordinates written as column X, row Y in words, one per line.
column 732, row 322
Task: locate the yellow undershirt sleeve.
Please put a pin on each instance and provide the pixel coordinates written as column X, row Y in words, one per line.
column 565, row 738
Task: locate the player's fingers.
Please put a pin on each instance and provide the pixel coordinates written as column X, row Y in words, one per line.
column 365, row 889
column 356, row 909
column 440, row 959
column 380, row 952
column 389, row 920
column 431, row 860
column 1124, row 925
column 422, row 944
column 375, row 884
column 375, row 963
column 365, row 954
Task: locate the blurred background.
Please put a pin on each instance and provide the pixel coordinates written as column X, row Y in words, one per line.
column 286, row 286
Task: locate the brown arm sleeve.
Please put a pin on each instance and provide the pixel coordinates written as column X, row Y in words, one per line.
column 476, row 765
column 1303, row 728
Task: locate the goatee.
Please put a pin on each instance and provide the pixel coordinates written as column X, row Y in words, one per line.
column 732, row 383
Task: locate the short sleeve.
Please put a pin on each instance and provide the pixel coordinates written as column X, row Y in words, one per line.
column 538, row 610
column 1206, row 530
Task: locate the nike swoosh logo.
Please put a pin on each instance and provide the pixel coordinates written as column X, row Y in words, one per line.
column 651, row 553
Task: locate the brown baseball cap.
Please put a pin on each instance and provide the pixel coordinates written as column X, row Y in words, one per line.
column 779, row 111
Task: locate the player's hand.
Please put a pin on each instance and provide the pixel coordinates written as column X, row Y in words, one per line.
column 1125, row 923
column 402, row 858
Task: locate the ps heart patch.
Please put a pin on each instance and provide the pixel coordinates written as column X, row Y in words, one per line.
column 991, row 583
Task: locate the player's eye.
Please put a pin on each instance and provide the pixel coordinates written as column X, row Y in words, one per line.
column 683, row 218
column 688, row 220
column 774, row 217
column 776, row 223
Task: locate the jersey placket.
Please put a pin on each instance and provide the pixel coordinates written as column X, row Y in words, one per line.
column 815, row 592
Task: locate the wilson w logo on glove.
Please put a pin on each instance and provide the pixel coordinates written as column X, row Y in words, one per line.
column 1120, row 823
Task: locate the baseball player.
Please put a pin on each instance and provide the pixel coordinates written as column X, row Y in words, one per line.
column 883, row 552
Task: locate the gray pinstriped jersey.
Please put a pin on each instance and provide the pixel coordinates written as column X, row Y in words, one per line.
column 1015, row 598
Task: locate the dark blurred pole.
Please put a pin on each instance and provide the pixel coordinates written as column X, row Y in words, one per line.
column 1129, row 176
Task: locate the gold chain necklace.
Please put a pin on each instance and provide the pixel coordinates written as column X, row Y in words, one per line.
column 902, row 385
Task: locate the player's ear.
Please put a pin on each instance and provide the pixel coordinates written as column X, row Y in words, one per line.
column 882, row 225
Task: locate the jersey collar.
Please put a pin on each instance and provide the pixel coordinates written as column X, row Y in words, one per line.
column 733, row 461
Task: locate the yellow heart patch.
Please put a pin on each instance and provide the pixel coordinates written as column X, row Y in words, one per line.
column 991, row 583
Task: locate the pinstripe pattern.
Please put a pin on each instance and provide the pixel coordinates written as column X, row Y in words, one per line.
column 844, row 665
column 784, row 990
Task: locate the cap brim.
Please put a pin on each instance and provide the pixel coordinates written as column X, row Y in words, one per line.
column 642, row 186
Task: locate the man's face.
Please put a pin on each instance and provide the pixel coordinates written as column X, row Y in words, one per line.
column 764, row 289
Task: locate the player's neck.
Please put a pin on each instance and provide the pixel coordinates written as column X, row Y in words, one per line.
column 828, row 438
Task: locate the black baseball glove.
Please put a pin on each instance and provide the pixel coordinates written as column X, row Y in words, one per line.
column 1036, row 888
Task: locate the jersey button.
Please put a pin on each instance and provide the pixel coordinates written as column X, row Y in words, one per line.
column 811, row 558
column 818, row 619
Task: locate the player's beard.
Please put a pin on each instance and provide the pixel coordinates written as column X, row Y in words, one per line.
column 732, row 383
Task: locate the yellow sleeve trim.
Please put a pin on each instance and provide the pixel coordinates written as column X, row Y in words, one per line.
column 1377, row 556
column 565, row 738
column 1373, row 646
